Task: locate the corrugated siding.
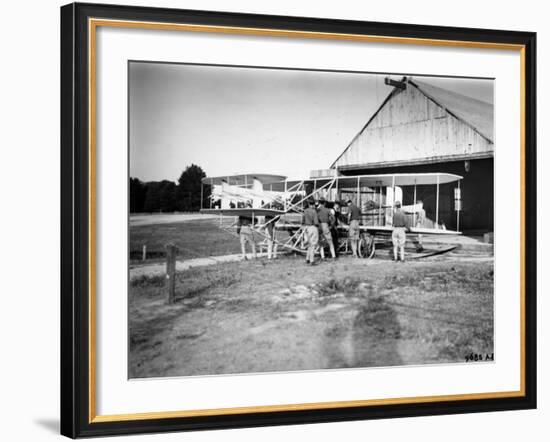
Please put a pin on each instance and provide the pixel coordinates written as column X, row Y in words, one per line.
column 411, row 127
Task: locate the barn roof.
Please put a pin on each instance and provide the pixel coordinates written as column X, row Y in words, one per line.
column 475, row 113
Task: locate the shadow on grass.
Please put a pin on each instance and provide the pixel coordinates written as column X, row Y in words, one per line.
column 375, row 335
column 369, row 338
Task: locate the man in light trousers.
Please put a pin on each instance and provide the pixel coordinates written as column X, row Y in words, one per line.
column 325, row 216
column 311, row 222
column 399, row 234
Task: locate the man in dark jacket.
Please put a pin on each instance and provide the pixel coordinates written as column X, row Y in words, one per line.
column 325, row 221
column 311, row 222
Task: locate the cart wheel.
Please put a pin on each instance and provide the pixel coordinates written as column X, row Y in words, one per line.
column 372, row 249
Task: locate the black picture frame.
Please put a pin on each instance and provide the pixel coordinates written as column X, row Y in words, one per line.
column 75, row 220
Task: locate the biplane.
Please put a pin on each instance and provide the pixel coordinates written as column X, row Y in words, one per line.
column 275, row 199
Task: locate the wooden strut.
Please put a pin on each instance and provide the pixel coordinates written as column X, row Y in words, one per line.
column 295, row 238
column 330, row 184
column 458, row 211
column 393, row 191
column 437, row 205
column 380, row 206
column 297, row 186
column 291, row 190
column 414, row 211
column 291, row 243
column 393, row 197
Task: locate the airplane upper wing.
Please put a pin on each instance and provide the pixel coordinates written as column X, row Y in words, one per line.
column 244, row 179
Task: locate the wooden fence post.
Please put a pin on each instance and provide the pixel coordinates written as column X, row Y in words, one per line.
column 171, row 251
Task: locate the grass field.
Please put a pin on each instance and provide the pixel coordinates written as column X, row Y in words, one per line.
column 259, row 316
column 195, row 239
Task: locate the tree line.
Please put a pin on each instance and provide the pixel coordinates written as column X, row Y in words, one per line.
column 167, row 196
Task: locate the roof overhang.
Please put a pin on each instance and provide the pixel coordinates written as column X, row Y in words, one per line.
column 416, row 162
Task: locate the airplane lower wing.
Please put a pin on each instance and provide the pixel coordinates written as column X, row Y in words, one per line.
column 247, row 211
column 243, row 212
column 377, row 229
column 414, row 230
column 425, row 231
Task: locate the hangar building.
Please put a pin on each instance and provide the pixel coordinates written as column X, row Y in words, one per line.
column 422, row 128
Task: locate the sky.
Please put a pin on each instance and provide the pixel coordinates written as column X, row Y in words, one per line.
column 231, row 120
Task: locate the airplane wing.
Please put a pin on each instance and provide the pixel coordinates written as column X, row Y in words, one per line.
column 415, row 230
column 374, row 229
column 425, row 231
column 243, row 212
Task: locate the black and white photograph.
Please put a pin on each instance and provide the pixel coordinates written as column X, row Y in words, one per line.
column 286, row 220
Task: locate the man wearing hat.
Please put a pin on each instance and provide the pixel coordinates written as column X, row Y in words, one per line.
column 270, row 222
column 354, row 216
column 311, row 222
column 246, row 234
column 325, row 216
column 335, row 220
column 399, row 235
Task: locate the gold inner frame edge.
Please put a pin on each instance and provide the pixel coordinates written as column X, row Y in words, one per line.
column 93, row 23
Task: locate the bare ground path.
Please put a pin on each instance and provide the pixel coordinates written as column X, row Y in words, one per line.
column 157, row 269
column 258, row 316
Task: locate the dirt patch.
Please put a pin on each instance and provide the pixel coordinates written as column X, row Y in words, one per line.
column 259, row 316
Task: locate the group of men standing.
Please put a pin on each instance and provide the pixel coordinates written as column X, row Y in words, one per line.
column 320, row 223
column 246, row 235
